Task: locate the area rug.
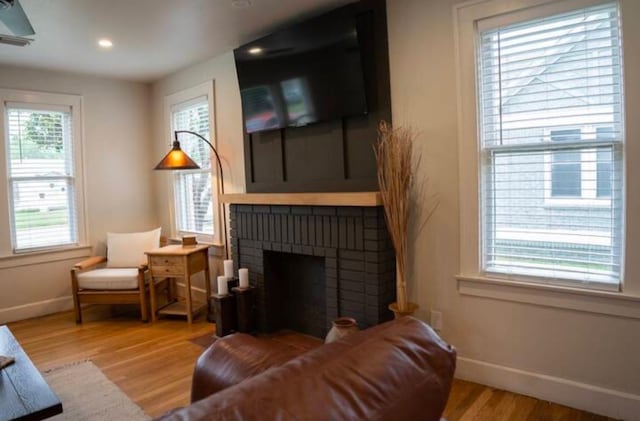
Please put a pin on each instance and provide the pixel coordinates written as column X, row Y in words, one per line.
column 87, row 394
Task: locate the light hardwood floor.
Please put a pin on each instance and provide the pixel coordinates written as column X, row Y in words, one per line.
column 153, row 363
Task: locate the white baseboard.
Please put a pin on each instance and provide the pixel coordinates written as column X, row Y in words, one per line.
column 599, row 400
column 40, row 308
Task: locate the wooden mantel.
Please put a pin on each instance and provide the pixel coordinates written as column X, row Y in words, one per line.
column 305, row 199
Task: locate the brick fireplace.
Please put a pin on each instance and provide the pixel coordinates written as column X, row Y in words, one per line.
column 312, row 263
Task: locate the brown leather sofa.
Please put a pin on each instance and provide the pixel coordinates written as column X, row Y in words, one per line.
column 400, row 370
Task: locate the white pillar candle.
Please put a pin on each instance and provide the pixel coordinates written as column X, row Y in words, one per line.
column 244, row 277
column 223, row 287
column 228, row 268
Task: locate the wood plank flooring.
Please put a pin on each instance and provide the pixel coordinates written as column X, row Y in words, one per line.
column 153, row 363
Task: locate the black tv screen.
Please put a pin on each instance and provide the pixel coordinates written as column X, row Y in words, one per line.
column 304, row 74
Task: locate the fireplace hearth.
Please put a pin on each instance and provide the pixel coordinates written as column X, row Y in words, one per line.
column 313, row 264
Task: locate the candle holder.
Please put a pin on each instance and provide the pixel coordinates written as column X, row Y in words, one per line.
column 232, row 284
column 245, row 309
column 225, row 314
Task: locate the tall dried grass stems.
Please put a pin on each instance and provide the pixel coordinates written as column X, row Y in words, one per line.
column 397, row 167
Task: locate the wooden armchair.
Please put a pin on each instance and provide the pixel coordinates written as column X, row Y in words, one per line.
column 119, row 278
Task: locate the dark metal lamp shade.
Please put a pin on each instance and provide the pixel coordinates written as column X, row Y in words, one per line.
column 176, row 159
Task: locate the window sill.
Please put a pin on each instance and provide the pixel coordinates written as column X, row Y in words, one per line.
column 590, row 301
column 215, row 250
column 44, row 256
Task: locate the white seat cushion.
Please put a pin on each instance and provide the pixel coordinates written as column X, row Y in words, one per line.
column 109, row 278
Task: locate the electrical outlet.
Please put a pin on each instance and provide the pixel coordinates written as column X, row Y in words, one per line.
column 436, row 320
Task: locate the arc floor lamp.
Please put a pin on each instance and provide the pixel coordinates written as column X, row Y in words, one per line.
column 177, row 159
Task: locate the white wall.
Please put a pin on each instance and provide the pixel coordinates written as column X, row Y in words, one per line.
column 582, row 359
column 118, row 158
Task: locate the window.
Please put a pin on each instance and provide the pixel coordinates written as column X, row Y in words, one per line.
column 42, row 167
column 194, row 205
column 192, row 189
column 551, row 132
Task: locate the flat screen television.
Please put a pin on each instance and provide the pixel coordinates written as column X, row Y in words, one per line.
column 307, row 73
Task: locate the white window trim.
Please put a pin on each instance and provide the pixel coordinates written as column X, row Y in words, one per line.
column 471, row 281
column 171, row 101
column 50, row 100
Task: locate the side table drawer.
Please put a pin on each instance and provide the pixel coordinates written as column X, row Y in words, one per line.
column 167, row 270
column 166, row 260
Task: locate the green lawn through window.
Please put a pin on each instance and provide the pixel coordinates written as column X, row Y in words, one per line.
column 34, row 218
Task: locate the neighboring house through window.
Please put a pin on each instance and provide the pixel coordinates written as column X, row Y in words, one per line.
column 580, row 177
column 43, row 169
column 566, row 166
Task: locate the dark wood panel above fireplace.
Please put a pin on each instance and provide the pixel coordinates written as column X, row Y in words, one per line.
column 332, row 155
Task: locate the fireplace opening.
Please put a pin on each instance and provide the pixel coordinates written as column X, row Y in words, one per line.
column 295, row 292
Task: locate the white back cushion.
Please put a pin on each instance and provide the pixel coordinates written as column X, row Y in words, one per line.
column 126, row 250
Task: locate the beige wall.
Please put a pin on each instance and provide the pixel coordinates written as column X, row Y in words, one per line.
column 118, row 180
column 501, row 342
column 579, row 358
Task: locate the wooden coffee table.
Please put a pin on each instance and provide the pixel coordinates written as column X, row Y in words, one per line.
column 24, row 394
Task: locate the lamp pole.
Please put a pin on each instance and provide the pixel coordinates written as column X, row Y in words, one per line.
column 215, row 152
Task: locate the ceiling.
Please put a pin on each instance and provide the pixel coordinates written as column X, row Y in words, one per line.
column 152, row 38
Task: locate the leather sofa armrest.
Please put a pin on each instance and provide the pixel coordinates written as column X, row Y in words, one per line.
column 235, row 358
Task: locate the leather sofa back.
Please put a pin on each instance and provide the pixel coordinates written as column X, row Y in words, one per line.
column 400, row 370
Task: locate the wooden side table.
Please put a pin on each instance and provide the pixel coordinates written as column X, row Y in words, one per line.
column 178, row 261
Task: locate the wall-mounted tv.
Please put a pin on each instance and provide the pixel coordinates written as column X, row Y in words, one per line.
column 307, row 73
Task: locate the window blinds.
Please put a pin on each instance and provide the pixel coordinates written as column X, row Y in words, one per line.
column 41, row 176
column 192, row 189
column 551, row 135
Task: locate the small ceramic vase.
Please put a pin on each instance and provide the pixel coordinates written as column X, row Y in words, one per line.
column 342, row 327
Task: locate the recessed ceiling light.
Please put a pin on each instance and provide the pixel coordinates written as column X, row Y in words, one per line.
column 255, row 50
column 105, row 43
column 241, row 4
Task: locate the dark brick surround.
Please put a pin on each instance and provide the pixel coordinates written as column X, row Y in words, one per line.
column 359, row 261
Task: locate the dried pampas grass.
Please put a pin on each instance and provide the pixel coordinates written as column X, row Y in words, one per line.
column 397, row 167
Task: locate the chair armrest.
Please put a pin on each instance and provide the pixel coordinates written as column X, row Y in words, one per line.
column 143, row 267
column 90, row 262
